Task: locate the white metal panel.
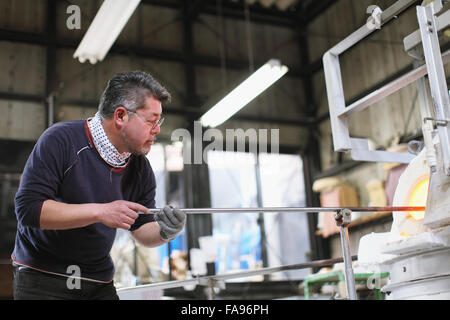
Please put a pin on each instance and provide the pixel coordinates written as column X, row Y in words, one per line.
column 68, row 113
column 23, row 68
column 23, row 15
column 21, row 120
column 159, row 27
column 270, row 41
column 208, row 35
column 170, row 74
column 321, row 33
column 76, row 80
column 266, row 41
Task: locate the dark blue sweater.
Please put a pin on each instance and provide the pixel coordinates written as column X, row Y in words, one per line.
column 65, row 166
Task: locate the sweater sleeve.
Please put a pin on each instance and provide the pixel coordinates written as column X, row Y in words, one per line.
column 41, row 178
column 147, row 196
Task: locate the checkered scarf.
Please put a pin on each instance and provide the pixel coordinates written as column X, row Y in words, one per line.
column 107, row 151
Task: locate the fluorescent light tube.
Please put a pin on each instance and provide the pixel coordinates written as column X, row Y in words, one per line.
column 259, row 81
column 112, row 16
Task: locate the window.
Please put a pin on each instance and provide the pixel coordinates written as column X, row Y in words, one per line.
column 234, row 184
column 287, row 233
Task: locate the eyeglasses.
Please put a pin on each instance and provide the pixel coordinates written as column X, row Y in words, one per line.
column 152, row 124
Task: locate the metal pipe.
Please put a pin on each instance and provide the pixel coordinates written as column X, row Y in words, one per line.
column 349, row 275
column 343, row 219
column 234, row 275
column 290, row 209
column 262, row 271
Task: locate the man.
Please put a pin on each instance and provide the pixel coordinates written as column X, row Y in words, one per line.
column 82, row 181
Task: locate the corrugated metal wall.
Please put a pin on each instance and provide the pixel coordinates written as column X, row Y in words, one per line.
column 23, row 72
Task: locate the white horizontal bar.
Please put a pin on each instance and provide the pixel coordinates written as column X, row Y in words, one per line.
column 389, row 88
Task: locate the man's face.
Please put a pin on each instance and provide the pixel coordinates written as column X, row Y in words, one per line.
column 138, row 134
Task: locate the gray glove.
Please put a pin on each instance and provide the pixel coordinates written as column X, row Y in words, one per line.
column 171, row 222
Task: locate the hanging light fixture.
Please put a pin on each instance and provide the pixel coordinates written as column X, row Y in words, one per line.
column 254, row 85
column 111, row 18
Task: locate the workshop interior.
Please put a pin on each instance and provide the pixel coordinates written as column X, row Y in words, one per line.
column 307, row 142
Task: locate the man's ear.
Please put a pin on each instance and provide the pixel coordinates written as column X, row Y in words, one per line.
column 121, row 116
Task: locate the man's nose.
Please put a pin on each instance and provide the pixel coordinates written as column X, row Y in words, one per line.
column 155, row 130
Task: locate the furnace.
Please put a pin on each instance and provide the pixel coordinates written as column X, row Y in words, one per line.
column 420, row 243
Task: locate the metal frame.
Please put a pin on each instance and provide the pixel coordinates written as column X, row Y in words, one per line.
column 436, row 74
column 343, row 219
column 339, row 112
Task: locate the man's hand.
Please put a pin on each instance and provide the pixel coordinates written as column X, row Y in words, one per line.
column 171, row 222
column 119, row 214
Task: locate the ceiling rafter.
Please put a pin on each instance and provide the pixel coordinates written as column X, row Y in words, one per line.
column 148, row 52
column 233, row 10
column 303, row 13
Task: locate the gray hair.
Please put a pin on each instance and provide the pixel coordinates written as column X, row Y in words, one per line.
column 130, row 89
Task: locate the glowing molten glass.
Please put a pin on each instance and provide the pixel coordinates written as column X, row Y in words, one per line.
column 418, row 197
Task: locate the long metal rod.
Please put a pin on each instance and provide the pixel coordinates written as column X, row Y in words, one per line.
column 343, row 219
column 242, row 274
column 349, row 275
column 262, row 271
column 291, row 209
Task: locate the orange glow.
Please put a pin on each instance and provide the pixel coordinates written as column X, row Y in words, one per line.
column 418, row 197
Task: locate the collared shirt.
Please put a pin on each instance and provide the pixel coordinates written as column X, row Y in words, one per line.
column 107, row 151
